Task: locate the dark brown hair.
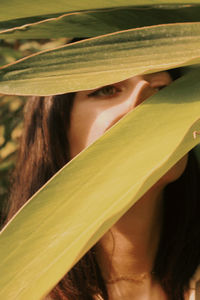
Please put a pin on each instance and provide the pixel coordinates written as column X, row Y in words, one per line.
column 44, row 150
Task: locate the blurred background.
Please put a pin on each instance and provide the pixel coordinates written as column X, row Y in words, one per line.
column 11, row 110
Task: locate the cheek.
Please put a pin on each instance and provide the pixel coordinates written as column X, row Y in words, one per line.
column 77, row 133
column 87, row 123
column 175, row 172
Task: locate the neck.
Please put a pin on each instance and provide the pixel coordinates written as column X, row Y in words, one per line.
column 129, row 248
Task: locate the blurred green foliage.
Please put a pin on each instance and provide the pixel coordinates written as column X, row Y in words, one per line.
column 10, row 131
column 12, row 50
column 11, row 111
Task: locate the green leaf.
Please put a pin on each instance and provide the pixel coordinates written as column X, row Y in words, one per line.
column 37, row 249
column 104, row 60
column 14, row 9
column 88, row 24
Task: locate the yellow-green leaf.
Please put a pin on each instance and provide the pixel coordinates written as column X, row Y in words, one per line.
column 14, row 9
column 98, row 22
column 104, row 60
column 66, row 217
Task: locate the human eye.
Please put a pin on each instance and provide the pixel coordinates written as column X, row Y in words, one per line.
column 105, row 91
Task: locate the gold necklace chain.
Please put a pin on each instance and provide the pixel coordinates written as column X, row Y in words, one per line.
column 135, row 279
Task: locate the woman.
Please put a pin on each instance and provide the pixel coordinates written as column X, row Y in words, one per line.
column 153, row 251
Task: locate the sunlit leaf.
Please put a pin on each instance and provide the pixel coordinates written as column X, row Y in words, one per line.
column 66, row 217
column 100, row 61
column 88, row 24
column 14, row 9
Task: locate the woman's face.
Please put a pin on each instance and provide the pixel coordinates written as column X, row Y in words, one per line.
column 95, row 111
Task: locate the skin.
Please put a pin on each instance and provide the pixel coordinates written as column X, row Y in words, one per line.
column 129, row 247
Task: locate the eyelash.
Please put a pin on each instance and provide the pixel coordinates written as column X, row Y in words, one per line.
column 105, row 91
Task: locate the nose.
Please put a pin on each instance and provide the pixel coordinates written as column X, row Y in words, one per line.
column 140, row 92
